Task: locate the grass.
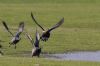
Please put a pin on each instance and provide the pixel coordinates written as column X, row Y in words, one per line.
column 49, row 1
column 19, row 61
column 80, row 31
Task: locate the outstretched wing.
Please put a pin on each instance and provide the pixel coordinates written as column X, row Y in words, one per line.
column 20, row 29
column 57, row 25
column 36, row 22
column 37, row 38
column 29, row 37
column 5, row 25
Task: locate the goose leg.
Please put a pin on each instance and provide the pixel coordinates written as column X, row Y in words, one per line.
column 15, row 46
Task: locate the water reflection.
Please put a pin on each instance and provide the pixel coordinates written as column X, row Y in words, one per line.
column 77, row 56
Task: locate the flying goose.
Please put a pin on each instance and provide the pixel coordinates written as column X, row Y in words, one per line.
column 16, row 38
column 36, row 48
column 46, row 33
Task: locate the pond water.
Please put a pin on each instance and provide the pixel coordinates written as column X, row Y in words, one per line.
column 75, row 56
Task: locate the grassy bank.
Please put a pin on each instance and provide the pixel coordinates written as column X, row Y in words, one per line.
column 80, row 31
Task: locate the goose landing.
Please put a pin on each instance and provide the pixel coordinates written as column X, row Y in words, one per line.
column 46, row 33
column 36, row 48
column 16, row 38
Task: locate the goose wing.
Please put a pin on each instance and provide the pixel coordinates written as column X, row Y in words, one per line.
column 29, row 37
column 37, row 38
column 20, row 29
column 36, row 22
column 56, row 25
column 6, row 27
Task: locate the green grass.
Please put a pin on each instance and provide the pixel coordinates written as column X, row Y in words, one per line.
column 15, row 61
column 80, row 31
column 49, row 1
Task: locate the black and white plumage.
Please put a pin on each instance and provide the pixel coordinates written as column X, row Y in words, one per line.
column 16, row 38
column 36, row 48
column 46, row 33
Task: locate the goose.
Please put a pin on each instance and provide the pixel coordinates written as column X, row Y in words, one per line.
column 15, row 38
column 46, row 33
column 36, row 50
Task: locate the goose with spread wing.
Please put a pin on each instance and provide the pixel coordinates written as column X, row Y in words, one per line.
column 36, row 48
column 46, row 33
column 16, row 38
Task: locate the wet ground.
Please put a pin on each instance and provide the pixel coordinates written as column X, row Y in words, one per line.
column 76, row 56
column 73, row 56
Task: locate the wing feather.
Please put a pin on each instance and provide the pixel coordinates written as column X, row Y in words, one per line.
column 20, row 29
column 29, row 37
column 6, row 27
column 36, row 22
column 57, row 25
column 37, row 38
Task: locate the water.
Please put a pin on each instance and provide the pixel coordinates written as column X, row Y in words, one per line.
column 75, row 56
